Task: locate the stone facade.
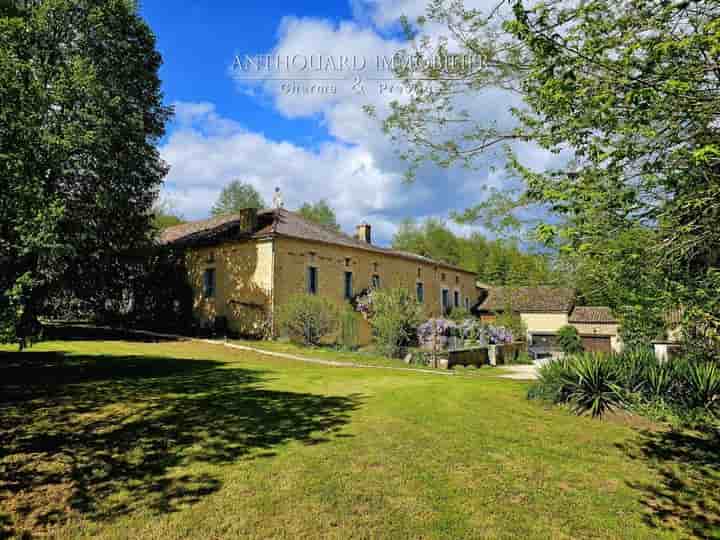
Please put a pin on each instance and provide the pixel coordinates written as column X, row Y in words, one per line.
column 254, row 278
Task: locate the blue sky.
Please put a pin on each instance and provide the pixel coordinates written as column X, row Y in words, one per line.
column 311, row 146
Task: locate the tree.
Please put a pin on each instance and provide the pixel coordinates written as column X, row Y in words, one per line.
column 495, row 262
column 569, row 340
column 81, row 113
column 631, row 91
column 165, row 215
column 321, row 213
column 237, row 196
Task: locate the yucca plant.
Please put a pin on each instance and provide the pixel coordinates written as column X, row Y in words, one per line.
column 659, row 381
column 593, row 385
column 551, row 384
column 703, row 385
column 634, row 367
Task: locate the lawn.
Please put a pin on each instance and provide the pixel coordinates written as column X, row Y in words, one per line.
column 174, row 439
column 368, row 357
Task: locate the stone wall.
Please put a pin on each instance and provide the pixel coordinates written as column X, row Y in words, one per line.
column 243, row 282
column 293, row 257
column 257, row 277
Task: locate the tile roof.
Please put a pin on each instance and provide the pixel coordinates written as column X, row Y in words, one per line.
column 592, row 314
column 186, row 230
column 283, row 223
column 529, row 299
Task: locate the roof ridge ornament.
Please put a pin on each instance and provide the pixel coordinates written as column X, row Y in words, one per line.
column 278, row 199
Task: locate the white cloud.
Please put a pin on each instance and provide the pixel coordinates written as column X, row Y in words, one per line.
column 359, row 171
column 204, row 158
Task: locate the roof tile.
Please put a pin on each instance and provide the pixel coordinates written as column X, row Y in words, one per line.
column 529, row 299
column 285, row 223
column 592, row 314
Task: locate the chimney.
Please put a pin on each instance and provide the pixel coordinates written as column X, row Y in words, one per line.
column 363, row 232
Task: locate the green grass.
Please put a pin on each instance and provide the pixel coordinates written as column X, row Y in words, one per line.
column 117, row 439
column 364, row 357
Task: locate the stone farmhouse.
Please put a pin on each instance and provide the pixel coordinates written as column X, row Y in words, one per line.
column 244, row 267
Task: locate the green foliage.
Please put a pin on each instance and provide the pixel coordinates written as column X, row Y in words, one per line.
column 237, row 196
column 680, row 390
column 513, row 322
column 592, row 385
column 589, row 383
column 81, row 112
column 321, row 213
column 569, row 340
column 659, row 380
column 630, row 93
column 349, row 332
column 496, row 262
column 704, row 385
column 551, row 385
column 459, row 314
column 308, row 318
column 165, row 215
column 395, row 317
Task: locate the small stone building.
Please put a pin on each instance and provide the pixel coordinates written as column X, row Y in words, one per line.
column 243, row 267
column 545, row 310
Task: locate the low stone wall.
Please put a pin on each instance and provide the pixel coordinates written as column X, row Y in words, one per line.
column 468, row 357
column 506, row 353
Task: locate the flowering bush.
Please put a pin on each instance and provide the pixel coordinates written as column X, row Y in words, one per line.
column 363, row 302
column 469, row 330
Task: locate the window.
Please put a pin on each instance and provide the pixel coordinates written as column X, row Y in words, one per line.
column 456, row 298
column 457, row 280
column 348, row 285
column 209, row 283
column 375, row 281
column 467, row 302
column 445, row 301
column 419, row 273
column 442, row 276
column 312, row 280
column 347, row 262
column 420, row 292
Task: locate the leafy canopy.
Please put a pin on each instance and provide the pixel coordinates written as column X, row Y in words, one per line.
column 237, row 196
column 627, row 95
column 81, row 113
column 498, row 262
column 321, row 213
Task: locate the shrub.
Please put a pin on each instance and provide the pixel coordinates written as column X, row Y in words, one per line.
column 569, row 340
column 681, row 391
column 659, row 381
column 348, row 329
column 307, row 319
column 552, row 382
column 704, row 385
column 593, row 385
column 589, row 383
column 633, row 367
column 460, row 314
column 394, row 318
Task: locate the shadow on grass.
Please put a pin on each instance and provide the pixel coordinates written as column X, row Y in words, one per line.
column 687, row 499
column 101, row 436
column 88, row 332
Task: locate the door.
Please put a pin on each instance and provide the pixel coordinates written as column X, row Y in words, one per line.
column 598, row 344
